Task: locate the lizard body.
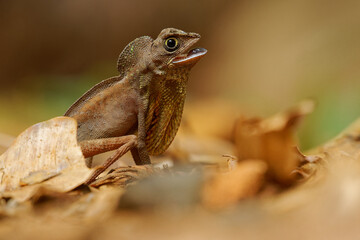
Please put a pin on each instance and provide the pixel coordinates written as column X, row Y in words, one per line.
column 139, row 110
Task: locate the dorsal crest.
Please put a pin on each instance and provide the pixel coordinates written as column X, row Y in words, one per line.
column 129, row 57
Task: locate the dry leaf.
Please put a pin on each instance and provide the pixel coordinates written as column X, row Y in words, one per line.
column 226, row 189
column 272, row 140
column 44, row 150
column 37, row 177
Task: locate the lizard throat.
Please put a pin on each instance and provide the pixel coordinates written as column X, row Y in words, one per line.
column 164, row 115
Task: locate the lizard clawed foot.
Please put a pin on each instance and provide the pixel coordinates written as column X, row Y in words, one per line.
column 123, row 175
column 94, row 175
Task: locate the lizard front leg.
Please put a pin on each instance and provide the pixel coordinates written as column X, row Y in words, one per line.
column 93, row 147
column 140, row 153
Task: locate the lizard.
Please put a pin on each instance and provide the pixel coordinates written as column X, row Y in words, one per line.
column 139, row 110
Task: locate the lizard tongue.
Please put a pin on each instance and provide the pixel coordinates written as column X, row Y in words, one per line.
column 192, row 57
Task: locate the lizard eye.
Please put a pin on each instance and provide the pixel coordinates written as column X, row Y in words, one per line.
column 171, row 44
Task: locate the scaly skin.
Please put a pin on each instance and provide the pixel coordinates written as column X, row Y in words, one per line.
column 139, row 110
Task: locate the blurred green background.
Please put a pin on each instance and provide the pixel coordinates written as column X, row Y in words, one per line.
column 264, row 56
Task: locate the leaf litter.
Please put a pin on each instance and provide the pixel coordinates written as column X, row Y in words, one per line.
column 252, row 183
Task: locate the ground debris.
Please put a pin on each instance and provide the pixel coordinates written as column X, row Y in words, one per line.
column 198, row 189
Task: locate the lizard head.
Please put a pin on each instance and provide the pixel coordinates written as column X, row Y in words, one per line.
column 173, row 49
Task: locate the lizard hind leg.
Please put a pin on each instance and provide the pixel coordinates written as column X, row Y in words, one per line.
column 92, row 147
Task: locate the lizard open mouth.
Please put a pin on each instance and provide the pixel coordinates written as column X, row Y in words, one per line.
column 192, row 57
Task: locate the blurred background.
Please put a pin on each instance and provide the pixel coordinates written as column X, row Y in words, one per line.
column 263, row 56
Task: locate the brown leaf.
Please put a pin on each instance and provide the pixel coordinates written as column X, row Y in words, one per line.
column 42, row 151
column 226, row 189
column 272, row 140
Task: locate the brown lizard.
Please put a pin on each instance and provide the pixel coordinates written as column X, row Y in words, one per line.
column 139, row 110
